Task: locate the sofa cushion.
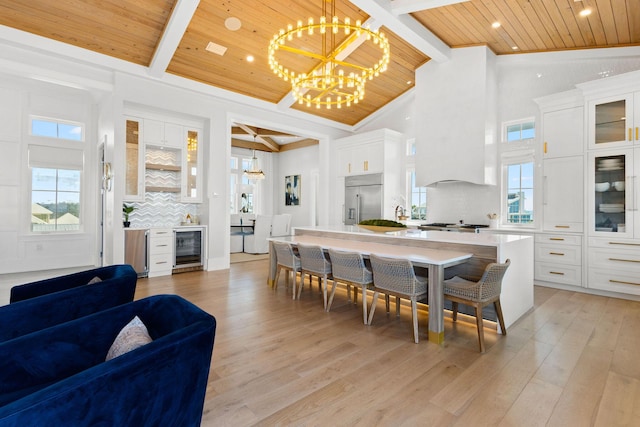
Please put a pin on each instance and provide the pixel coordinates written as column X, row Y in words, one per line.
column 132, row 336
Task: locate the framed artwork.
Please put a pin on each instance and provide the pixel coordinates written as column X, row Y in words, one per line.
column 292, row 188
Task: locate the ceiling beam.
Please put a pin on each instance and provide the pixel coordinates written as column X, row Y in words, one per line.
column 178, row 22
column 401, row 7
column 257, row 138
column 237, row 130
column 406, row 27
column 299, row 144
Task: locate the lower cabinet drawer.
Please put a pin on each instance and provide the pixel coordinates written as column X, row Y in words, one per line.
column 614, row 281
column 558, row 273
column 160, row 261
column 160, row 245
column 561, row 254
column 615, row 259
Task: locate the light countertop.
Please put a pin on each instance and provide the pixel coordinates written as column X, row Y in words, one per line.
column 482, row 239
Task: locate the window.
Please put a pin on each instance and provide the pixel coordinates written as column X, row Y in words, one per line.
column 55, row 200
column 418, row 199
column 519, row 193
column 241, row 189
column 519, row 131
column 51, row 128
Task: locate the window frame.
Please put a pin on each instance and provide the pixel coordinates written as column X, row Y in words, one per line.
column 80, row 192
column 520, row 157
column 58, row 122
column 523, row 142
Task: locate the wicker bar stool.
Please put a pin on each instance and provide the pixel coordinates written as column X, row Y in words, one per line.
column 286, row 259
column 349, row 268
column 479, row 294
column 395, row 276
column 314, row 263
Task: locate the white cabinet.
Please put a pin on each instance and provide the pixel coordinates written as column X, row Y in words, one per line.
column 134, row 164
column 614, row 265
column 563, row 132
column 161, row 246
column 163, row 134
column 361, row 159
column 613, row 202
column 558, row 258
column 563, row 194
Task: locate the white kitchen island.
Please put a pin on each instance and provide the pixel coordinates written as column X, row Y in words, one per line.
column 517, row 285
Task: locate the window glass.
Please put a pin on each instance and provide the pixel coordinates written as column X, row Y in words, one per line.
column 520, row 131
column 234, row 163
column 55, row 200
column 418, row 199
column 519, row 198
column 57, row 129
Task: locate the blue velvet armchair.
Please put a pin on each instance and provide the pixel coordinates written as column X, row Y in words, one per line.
column 39, row 305
column 59, row 377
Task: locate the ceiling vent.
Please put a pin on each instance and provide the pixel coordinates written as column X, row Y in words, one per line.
column 216, row 48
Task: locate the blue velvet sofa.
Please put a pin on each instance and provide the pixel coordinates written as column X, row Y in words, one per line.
column 38, row 305
column 59, row 377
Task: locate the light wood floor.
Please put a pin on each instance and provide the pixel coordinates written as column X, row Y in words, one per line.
column 573, row 361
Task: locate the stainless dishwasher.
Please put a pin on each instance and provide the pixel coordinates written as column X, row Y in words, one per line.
column 136, row 244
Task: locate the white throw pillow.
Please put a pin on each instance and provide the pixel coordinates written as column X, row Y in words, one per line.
column 132, row 336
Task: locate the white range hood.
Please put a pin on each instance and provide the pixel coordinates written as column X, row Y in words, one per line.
column 456, row 103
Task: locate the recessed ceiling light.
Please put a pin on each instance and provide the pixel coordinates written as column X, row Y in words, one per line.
column 496, row 24
column 216, row 48
column 409, row 82
column 514, row 47
column 250, row 58
column 585, row 12
column 232, row 24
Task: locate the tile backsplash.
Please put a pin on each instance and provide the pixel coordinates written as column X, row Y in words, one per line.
column 161, row 210
column 455, row 201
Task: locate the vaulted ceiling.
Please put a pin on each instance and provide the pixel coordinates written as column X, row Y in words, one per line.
column 171, row 36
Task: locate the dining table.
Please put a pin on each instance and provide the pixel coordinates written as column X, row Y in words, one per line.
column 434, row 260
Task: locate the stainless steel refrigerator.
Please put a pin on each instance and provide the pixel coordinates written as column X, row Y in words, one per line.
column 362, row 198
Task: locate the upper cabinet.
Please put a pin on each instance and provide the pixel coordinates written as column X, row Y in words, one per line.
column 192, row 166
column 361, row 159
column 163, row 157
column 134, row 173
column 611, row 121
column 613, row 111
column 562, row 124
column 163, row 134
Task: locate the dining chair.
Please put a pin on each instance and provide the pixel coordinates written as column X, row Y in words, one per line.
column 349, row 268
column 286, row 259
column 395, row 276
column 257, row 243
column 314, row 263
column 479, row 294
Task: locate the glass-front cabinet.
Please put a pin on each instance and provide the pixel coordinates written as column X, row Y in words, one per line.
column 612, row 193
column 611, row 121
column 134, row 152
column 192, row 167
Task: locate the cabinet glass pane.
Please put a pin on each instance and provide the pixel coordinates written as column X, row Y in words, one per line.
column 133, row 157
column 610, row 122
column 192, row 164
column 610, row 193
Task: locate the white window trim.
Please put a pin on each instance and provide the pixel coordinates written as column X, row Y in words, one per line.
column 514, row 158
column 523, row 142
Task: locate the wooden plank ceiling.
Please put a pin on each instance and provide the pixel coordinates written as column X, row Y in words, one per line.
column 133, row 31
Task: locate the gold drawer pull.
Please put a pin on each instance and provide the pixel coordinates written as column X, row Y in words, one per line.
column 557, row 272
column 562, row 226
column 556, row 253
column 637, row 134
column 560, row 239
column 624, row 260
column 624, row 244
column 623, row 282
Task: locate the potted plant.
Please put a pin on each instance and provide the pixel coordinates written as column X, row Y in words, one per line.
column 126, row 210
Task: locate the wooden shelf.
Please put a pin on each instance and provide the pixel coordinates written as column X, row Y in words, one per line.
column 159, row 167
column 163, row 189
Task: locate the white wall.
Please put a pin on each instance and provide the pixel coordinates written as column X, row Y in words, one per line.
column 304, row 162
